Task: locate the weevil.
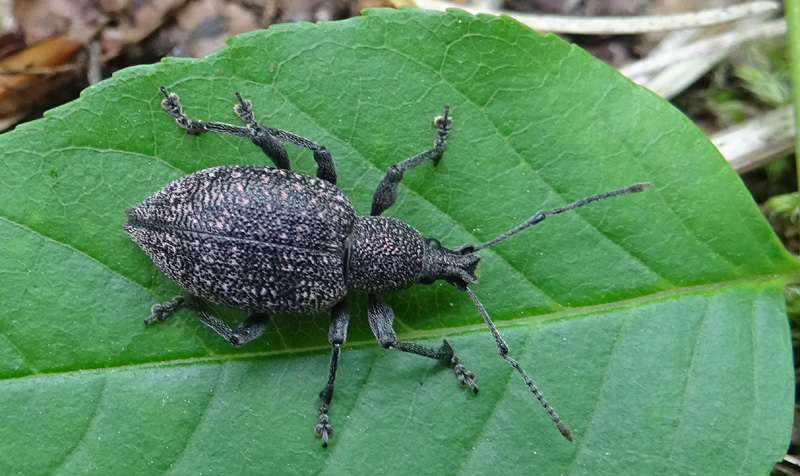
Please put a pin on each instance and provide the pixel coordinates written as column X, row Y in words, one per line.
column 269, row 240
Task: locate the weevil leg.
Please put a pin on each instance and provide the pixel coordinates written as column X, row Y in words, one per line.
column 160, row 312
column 271, row 146
column 381, row 319
column 326, row 170
column 251, row 328
column 267, row 138
column 337, row 334
column 386, row 193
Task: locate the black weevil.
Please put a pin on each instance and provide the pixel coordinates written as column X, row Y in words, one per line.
column 269, row 240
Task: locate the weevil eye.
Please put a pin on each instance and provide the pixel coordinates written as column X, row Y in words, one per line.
column 434, row 244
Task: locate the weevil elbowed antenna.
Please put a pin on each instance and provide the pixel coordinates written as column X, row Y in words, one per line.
column 503, row 348
column 501, row 344
column 541, row 215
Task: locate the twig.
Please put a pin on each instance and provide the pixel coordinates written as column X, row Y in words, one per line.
column 622, row 25
column 713, row 44
column 94, row 68
column 753, row 143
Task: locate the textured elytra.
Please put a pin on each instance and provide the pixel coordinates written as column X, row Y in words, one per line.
column 249, row 237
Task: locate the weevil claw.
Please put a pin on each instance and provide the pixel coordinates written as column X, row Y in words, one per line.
column 465, row 376
column 324, row 428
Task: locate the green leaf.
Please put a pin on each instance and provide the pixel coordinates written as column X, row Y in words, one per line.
column 654, row 323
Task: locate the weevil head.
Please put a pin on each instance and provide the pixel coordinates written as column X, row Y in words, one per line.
column 457, row 266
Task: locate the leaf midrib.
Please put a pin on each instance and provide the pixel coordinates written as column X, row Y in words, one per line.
column 535, row 320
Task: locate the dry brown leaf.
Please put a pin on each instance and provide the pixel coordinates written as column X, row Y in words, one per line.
column 27, row 75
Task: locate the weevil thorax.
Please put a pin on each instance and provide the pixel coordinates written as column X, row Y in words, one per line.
column 386, row 254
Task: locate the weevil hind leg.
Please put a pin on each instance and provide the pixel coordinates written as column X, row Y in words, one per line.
column 326, row 170
column 250, row 329
column 381, row 320
column 271, row 146
column 160, row 312
column 267, row 138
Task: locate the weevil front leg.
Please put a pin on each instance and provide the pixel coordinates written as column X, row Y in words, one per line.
column 386, row 193
column 381, row 320
column 250, row 329
column 337, row 334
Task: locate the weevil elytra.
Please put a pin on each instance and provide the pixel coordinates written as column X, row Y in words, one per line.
column 269, row 240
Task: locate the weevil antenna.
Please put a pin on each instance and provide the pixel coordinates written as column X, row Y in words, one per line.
column 503, row 348
column 541, row 215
